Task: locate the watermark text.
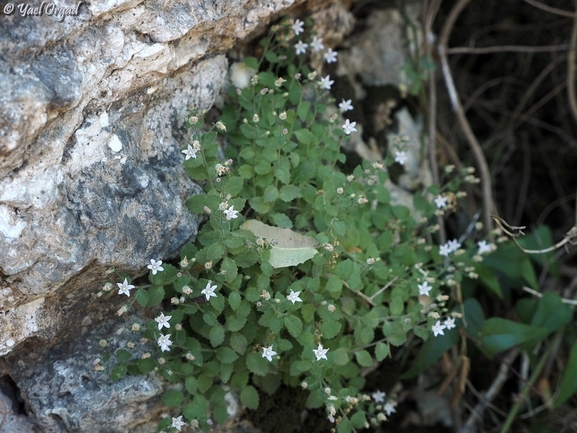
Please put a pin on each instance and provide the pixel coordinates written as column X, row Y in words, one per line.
column 45, row 8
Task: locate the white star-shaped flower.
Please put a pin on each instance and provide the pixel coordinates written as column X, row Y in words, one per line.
column 155, row 266
column 330, row 56
column 268, row 353
column 454, row 245
column 378, row 396
column 484, row 247
column 125, row 288
column 389, row 408
column 440, row 202
column 450, row 323
column 401, row 157
column 208, row 291
column 437, row 328
column 298, row 27
column 301, row 47
column 163, row 321
column 444, row 250
column 190, row 152
column 424, row 288
column 326, row 82
column 177, row 423
column 294, row 297
column 231, row 213
column 164, row 342
column 317, row 44
column 345, row 106
column 320, row 353
column 349, row 127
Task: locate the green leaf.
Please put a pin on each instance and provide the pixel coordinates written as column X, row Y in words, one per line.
column 226, row 355
column 216, row 336
column 251, row 62
column 230, row 269
column 303, row 110
column 142, row 297
column 281, row 220
column 397, row 305
column 381, row 351
column 289, row 192
column 551, row 312
column 118, row 372
column 334, row 284
column 498, row 335
column 304, row 136
column 249, row 397
column 488, row 277
column 155, row 296
column 270, row 194
column 568, row 386
column 341, row 356
column 238, row 343
column 358, row 420
column 198, row 409
column 394, row 333
column 235, row 323
column 259, row 205
column 257, row 364
column 123, row 355
column 364, row 358
column 146, row 365
column 190, row 385
column 330, row 328
column 293, row 325
column 234, row 300
column 172, row 398
column 215, row 251
column 345, row 268
column 431, row 351
column 345, row 426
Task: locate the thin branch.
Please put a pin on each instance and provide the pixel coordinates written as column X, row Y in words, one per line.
column 571, row 70
column 362, row 295
column 431, row 11
column 512, row 49
column 471, row 139
column 553, row 10
column 384, row 288
column 491, row 392
column 536, row 293
column 514, row 232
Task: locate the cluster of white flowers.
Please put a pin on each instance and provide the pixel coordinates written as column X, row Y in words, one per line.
column 449, row 247
column 448, row 324
column 316, row 44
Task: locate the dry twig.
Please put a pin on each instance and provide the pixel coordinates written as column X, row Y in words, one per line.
column 471, row 139
column 491, row 393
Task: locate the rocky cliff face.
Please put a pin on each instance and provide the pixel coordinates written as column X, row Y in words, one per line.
column 92, row 107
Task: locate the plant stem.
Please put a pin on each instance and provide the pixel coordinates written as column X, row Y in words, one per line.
column 529, row 385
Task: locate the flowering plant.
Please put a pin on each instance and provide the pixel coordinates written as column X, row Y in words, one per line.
column 303, row 273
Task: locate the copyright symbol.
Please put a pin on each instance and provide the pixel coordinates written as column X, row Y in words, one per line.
column 9, row 8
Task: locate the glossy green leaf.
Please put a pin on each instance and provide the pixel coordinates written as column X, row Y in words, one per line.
column 431, row 351
column 172, row 398
column 568, row 386
column 498, row 335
